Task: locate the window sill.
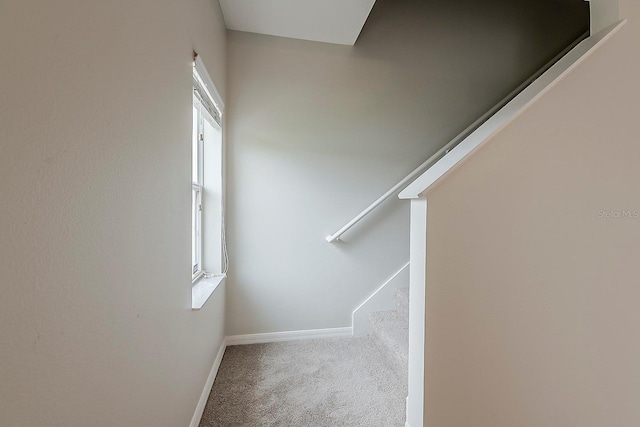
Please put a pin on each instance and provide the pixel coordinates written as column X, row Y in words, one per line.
column 202, row 289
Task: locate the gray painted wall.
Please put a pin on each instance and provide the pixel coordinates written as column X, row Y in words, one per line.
column 316, row 132
column 96, row 327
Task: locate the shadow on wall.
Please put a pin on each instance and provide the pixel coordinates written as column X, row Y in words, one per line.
column 440, row 41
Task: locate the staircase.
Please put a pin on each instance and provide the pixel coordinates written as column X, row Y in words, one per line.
column 390, row 332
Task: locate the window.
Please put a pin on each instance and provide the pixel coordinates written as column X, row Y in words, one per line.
column 208, row 248
column 197, row 172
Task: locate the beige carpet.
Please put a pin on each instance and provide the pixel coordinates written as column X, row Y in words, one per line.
column 315, row 383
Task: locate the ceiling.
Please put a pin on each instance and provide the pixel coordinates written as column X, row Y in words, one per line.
column 329, row 21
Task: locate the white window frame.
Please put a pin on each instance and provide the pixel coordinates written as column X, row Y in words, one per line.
column 208, row 106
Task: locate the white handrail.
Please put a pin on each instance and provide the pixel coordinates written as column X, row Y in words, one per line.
column 455, row 141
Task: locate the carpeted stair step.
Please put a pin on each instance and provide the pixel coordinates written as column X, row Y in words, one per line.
column 390, row 332
column 402, row 302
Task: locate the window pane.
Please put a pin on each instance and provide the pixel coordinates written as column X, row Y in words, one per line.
column 194, row 232
column 212, row 255
column 212, row 131
column 194, row 147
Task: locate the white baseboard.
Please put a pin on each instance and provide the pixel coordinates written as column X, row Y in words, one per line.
column 406, row 425
column 288, row 336
column 197, row 416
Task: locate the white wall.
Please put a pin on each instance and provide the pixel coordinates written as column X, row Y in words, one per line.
column 96, row 326
column 532, row 291
column 316, row 132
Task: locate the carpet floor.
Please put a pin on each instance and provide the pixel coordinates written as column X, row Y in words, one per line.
column 312, row 383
